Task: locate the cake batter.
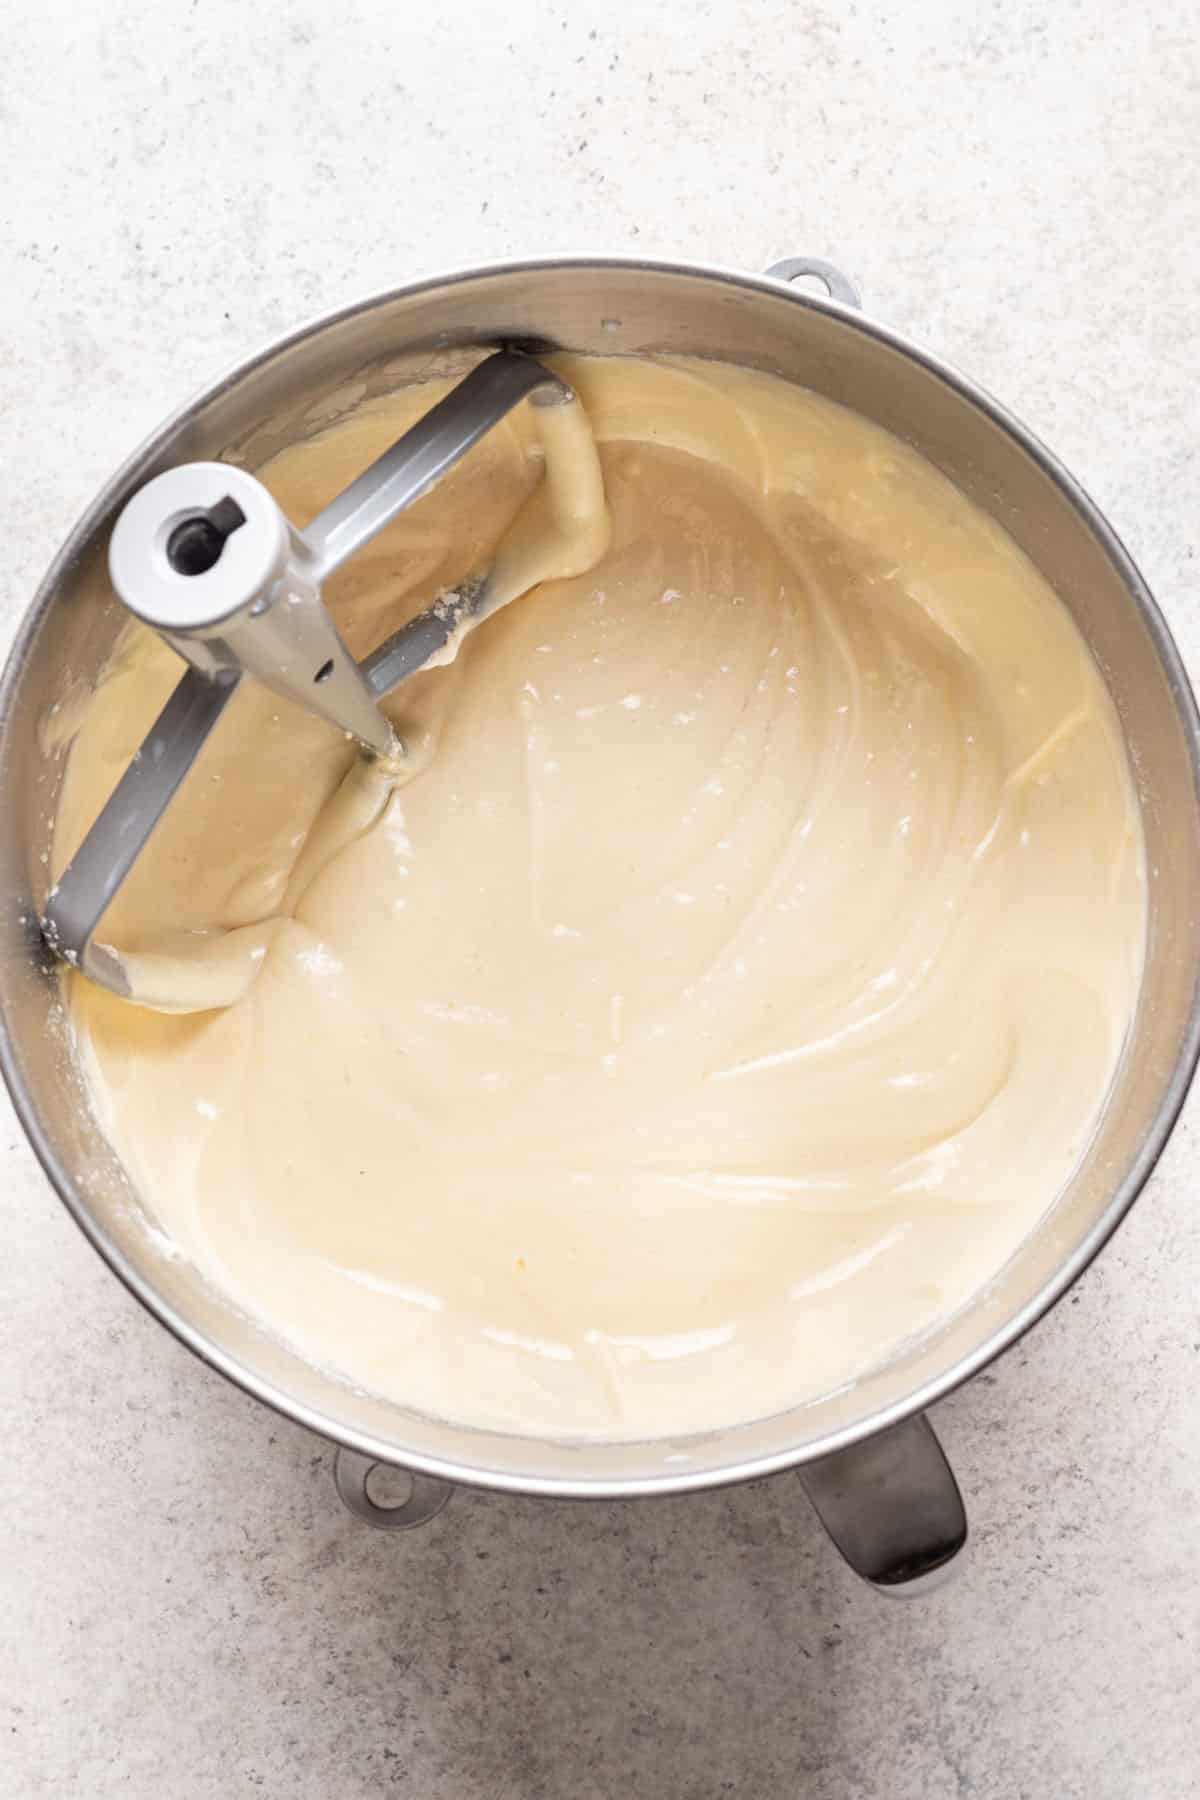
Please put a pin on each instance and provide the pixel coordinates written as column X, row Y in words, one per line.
column 729, row 981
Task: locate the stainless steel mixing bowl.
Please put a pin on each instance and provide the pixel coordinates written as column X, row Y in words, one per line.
column 866, row 1456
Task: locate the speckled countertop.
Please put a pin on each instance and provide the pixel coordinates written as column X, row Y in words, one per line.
column 184, row 1607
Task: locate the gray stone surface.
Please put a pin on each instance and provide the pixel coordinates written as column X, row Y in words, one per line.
column 183, row 1606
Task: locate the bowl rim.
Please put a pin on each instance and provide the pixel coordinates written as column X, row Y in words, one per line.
column 925, row 1393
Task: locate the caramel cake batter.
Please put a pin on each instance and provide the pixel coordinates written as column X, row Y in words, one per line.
column 725, row 984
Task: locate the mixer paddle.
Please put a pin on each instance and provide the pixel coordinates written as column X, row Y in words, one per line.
column 204, row 555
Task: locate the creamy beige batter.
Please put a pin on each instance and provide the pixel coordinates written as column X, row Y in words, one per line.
column 733, row 985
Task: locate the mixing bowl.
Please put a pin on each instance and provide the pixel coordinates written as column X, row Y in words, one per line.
column 868, row 1459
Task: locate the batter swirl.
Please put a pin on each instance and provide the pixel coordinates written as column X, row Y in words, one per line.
column 736, row 980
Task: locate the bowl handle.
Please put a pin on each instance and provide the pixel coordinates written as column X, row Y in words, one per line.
column 890, row 1504
column 892, row 1507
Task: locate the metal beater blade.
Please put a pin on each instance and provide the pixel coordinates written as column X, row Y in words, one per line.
column 204, row 555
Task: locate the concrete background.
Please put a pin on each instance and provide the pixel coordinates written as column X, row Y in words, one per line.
column 184, row 1607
